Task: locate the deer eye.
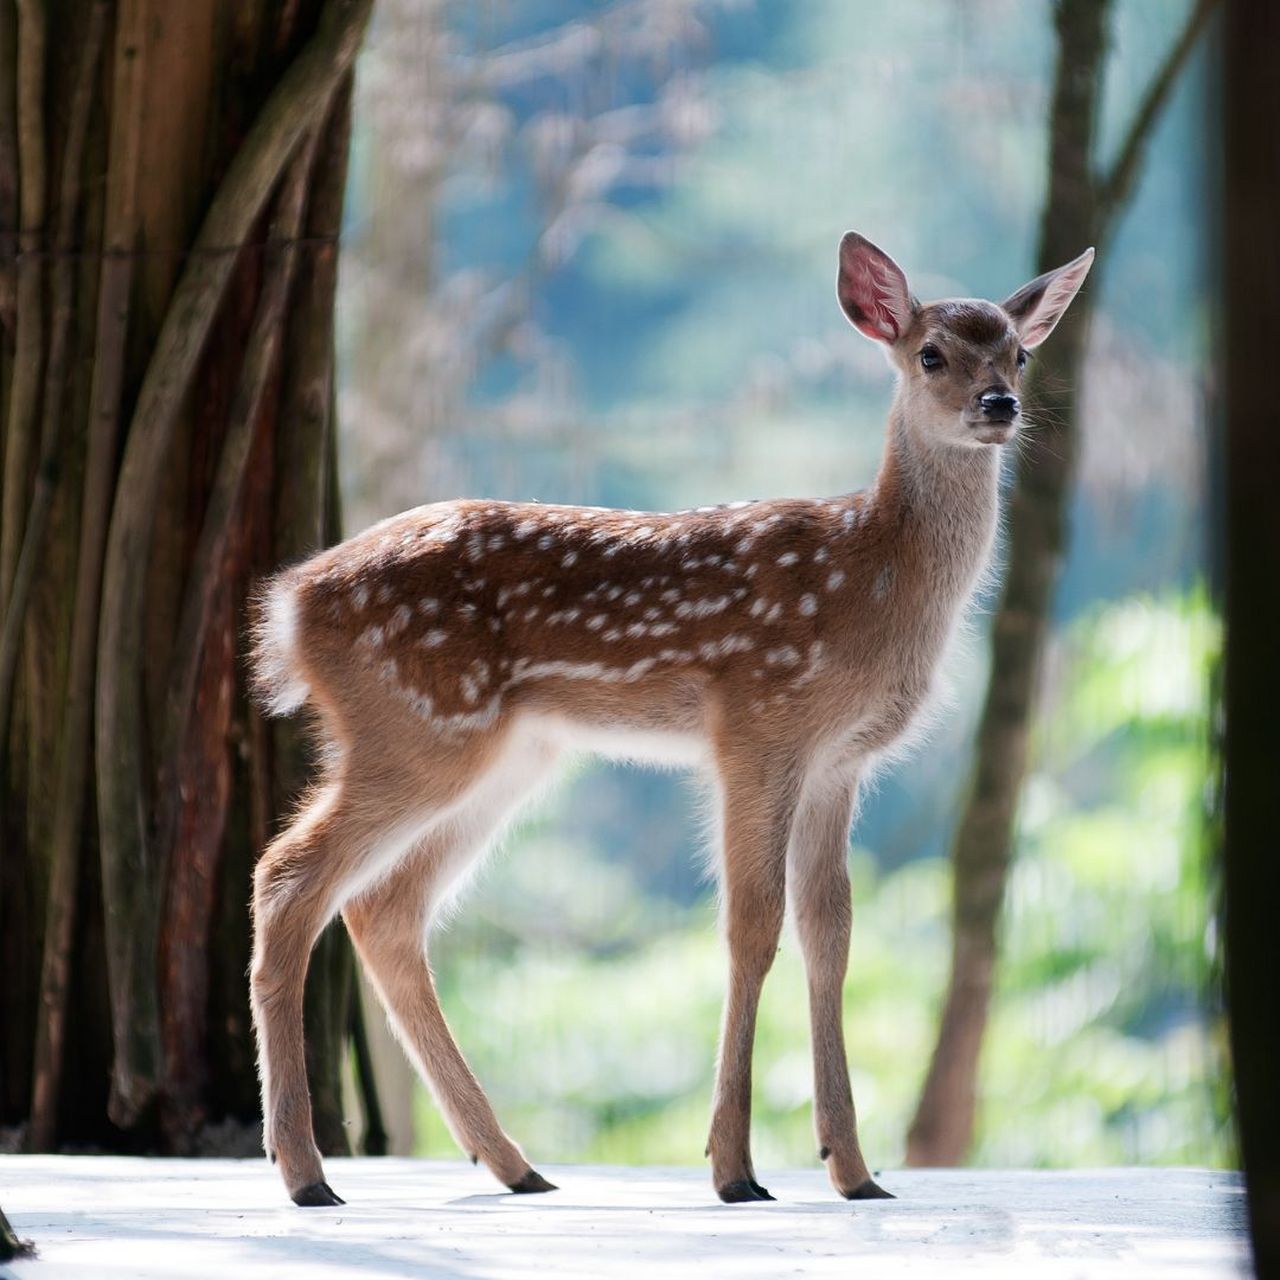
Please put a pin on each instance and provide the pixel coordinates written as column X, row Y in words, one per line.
column 1023, row 357
column 931, row 358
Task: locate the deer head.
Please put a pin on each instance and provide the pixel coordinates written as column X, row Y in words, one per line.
column 959, row 361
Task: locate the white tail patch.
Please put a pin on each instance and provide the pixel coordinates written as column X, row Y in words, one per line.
column 278, row 680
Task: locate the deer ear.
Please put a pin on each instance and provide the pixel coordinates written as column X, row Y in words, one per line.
column 1037, row 307
column 872, row 290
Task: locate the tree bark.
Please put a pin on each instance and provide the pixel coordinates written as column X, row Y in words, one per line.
column 180, row 307
column 1251, row 327
column 131, row 879
column 1081, row 208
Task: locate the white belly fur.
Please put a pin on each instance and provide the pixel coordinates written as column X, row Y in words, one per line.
column 663, row 748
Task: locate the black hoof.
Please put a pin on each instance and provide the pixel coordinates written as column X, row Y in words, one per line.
column 741, row 1191
column 317, row 1195
column 868, row 1191
column 531, row 1183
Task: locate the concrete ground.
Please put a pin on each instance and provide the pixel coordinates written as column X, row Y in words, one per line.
column 106, row 1217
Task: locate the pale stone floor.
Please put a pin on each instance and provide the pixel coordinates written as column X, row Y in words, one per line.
column 107, row 1217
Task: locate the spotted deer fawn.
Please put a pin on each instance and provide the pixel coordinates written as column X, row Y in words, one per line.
column 454, row 653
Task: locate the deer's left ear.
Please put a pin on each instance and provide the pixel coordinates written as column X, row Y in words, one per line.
column 1037, row 307
column 872, row 290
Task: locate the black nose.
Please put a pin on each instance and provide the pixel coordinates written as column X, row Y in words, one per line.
column 1000, row 405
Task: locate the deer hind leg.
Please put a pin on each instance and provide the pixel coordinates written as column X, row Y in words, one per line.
column 356, row 826
column 820, row 893
column 758, row 808
column 389, row 926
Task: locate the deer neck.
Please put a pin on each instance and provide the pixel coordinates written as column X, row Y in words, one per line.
column 939, row 503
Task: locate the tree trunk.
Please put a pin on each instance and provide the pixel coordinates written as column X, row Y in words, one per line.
column 168, row 228
column 1081, row 207
column 1251, row 315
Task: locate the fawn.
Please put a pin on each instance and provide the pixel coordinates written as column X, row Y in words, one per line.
column 452, row 654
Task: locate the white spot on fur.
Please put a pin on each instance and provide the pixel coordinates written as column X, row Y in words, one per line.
column 835, row 579
column 434, row 639
column 808, row 604
column 788, row 558
column 702, row 608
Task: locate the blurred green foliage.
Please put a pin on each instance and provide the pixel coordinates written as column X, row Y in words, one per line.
column 594, row 1027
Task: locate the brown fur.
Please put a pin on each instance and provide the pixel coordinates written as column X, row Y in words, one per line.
column 454, row 652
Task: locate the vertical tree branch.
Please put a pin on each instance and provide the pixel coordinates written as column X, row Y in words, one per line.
column 307, row 517
column 1116, row 188
column 192, row 859
column 64, row 279
column 131, row 878
column 8, row 164
column 116, row 275
column 24, row 390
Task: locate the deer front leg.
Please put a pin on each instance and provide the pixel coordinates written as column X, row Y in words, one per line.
column 821, row 899
column 756, row 820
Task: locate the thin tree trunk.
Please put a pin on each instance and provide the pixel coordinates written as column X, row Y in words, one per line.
column 1081, row 207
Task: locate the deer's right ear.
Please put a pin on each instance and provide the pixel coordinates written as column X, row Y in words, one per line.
column 872, row 290
column 1037, row 307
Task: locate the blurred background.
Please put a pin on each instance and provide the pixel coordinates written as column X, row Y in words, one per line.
column 590, row 257
column 272, row 269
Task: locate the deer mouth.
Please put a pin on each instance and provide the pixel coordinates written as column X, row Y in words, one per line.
column 993, row 430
